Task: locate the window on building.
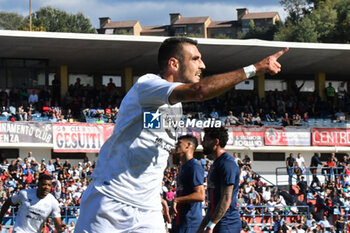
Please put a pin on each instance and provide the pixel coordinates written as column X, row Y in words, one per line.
column 268, row 156
column 16, row 72
column 326, row 156
column 116, row 79
column 271, row 85
column 64, row 156
column 109, row 31
column 309, row 85
column 246, row 85
column 336, row 84
column 9, row 153
column 41, row 79
column 84, row 79
column 179, row 30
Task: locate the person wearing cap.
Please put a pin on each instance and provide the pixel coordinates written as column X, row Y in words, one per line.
column 43, row 162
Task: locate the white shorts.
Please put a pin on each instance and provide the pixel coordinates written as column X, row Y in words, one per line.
column 100, row 214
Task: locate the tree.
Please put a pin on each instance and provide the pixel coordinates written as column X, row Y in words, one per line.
column 342, row 29
column 316, row 21
column 55, row 20
column 259, row 32
column 11, row 21
column 296, row 9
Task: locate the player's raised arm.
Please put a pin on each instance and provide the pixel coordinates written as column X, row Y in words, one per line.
column 217, row 85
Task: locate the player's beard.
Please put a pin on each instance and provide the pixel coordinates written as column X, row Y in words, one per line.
column 176, row 158
column 209, row 150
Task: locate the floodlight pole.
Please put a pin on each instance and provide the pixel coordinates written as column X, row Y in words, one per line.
column 30, row 15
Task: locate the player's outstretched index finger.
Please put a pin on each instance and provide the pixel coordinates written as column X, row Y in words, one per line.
column 280, row 53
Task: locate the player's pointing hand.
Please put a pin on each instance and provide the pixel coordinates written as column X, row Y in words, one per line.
column 270, row 64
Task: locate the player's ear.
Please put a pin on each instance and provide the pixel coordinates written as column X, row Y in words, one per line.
column 173, row 63
column 188, row 145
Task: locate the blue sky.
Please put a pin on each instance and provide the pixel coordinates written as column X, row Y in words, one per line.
column 149, row 12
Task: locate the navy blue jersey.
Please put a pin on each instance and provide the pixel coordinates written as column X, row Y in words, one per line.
column 223, row 172
column 189, row 215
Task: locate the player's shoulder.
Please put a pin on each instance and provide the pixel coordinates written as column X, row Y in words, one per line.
column 228, row 161
column 147, row 77
column 51, row 199
column 196, row 163
column 26, row 192
column 193, row 164
column 227, row 156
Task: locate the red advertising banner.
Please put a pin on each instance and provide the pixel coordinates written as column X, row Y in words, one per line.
column 80, row 137
column 287, row 136
column 246, row 136
column 330, row 137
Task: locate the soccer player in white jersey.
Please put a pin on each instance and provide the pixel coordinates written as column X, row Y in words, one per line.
column 35, row 206
column 124, row 194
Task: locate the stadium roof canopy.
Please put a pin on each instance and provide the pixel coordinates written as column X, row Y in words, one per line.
column 96, row 53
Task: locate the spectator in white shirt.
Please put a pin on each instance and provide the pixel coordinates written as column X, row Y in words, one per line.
column 50, row 167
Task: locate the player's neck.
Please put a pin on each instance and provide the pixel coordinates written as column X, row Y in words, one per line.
column 168, row 76
column 218, row 152
column 187, row 158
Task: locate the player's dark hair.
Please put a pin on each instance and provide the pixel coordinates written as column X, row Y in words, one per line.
column 217, row 133
column 189, row 138
column 172, row 47
column 43, row 177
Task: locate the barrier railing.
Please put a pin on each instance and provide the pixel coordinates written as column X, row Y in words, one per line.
column 265, row 211
column 322, row 173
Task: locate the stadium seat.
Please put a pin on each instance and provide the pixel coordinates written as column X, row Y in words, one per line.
column 3, row 118
column 72, row 219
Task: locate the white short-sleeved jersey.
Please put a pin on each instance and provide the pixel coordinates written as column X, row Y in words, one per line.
column 33, row 212
column 132, row 161
column 300, row 161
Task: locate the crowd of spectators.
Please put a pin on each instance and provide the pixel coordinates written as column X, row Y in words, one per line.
column 80, row 102
column 286, row 108
column 317, row 206
column 69, row 182
column 236, row 107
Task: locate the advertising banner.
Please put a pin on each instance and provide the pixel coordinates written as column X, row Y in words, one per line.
column 287, row 136
column 246, row 136
column 25, row 132
column 330, row 137
column 80, row 137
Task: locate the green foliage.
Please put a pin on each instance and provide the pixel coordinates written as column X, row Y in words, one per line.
column 11, row 21
column 123, row 32
column 296, row 9
column 258, row 32
column 316, row 21
column 222, row 36
column 194, row 35
column 55, row 20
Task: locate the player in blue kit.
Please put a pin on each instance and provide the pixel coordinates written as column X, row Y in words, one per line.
column 223, row 182
column 190, row 190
